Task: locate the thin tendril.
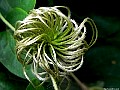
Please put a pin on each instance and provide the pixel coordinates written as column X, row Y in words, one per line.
column 7, row 23
column 54, row 82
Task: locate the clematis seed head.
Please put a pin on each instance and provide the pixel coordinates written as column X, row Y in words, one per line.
column 51, row 42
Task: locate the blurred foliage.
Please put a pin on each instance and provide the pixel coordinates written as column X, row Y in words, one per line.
column 101, row 66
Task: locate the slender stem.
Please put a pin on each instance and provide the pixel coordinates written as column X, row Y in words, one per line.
column 7, row 23
column 54, row 82
column 27, row 77
column 82, row 86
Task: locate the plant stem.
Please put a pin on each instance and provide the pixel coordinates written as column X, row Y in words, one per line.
column 7, row 23
column 82, row 86
column 24, row 72
column 54, row 82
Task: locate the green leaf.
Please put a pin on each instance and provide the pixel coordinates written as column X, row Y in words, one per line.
column 104, row 61
column 9, row 84
column 7, row 5
column 4, row 7
column 37, row 85
column 26, row 5
column 15, row 15
column 7, row 54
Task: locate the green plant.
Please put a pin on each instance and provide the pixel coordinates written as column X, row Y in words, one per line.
column 50, row 43
column 53, row 43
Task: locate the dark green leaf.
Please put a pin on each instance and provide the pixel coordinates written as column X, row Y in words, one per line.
column 7, row 5
column 37, row 86
column 11, row 84
column 15, row 15
column 26, row 5
column 7, row 54
column 4, row 7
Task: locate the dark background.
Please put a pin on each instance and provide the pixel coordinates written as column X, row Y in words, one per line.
column 102, row 61
column 86, row 7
